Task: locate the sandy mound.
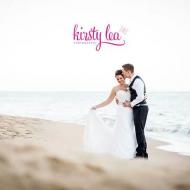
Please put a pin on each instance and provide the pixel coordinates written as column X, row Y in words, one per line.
column 56, row 162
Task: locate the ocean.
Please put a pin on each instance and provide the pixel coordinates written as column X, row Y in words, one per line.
column 168, row 119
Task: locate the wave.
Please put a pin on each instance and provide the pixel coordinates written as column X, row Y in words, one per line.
column 176, row 129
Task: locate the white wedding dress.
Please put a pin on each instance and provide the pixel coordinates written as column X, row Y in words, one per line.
column 118, row 140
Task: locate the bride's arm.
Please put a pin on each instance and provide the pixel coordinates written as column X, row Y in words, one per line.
column 107, row 101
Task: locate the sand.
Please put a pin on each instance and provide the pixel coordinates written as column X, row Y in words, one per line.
column 38, row 154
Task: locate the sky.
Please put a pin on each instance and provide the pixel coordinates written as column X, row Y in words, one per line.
column 37, row 50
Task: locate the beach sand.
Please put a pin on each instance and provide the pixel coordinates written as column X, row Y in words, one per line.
column 38, row 154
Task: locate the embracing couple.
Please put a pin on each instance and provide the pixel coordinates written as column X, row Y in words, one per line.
column 127, row 138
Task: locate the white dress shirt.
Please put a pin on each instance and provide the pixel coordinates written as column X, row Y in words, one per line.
column 138, row 86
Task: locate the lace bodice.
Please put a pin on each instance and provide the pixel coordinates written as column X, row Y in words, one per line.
column 123, row 95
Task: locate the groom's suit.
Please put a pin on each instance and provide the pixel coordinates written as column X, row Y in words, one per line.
column 140, row 111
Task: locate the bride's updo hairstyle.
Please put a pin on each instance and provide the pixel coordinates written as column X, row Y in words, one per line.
column 119, row 72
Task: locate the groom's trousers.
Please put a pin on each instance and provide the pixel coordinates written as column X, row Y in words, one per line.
column 140, row 115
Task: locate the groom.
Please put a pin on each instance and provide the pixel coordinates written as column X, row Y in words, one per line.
column 140, row 108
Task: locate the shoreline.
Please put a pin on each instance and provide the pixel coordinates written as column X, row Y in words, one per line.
column 162, row 143
column 168, row 144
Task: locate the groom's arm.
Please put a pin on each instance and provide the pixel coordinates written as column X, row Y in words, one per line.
column 139, row 87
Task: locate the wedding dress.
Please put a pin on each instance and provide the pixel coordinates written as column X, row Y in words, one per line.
column 118, row 140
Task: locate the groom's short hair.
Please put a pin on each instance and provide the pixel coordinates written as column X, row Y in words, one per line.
column 128, row 66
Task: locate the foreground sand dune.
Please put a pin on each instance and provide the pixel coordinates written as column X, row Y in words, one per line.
column 46, row 155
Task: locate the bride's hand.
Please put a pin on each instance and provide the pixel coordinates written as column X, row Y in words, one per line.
column 126, row 104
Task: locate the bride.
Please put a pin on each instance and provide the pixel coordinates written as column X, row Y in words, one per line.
column 119, row 140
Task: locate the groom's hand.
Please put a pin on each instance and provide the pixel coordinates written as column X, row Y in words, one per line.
column 126, row 104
